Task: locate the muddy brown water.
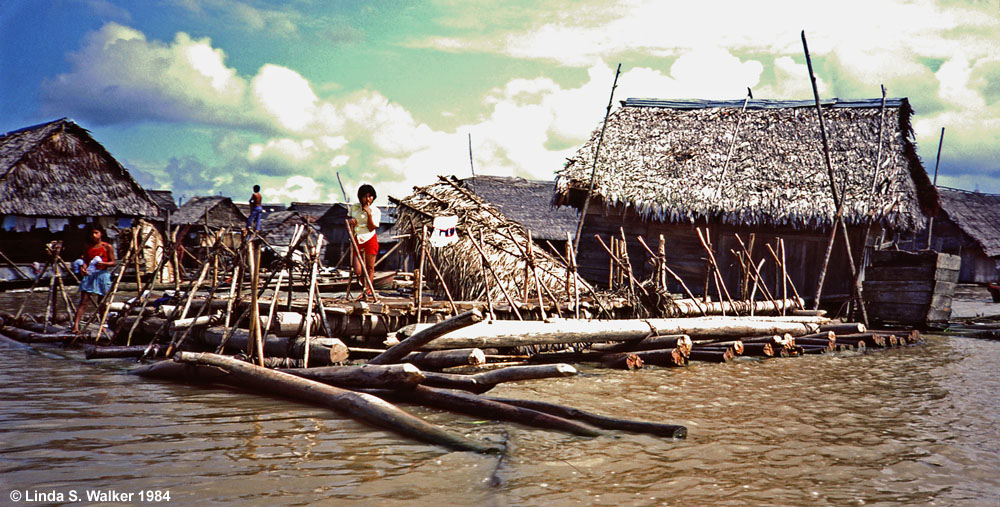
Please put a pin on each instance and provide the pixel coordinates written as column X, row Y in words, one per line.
column 917, row 425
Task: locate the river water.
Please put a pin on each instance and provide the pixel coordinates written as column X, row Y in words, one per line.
column 917, row 425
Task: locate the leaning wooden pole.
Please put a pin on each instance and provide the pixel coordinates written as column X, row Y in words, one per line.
column 838, row 200
column 930, row 220
column 593, row 167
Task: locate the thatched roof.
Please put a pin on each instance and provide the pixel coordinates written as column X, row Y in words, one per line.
column 313, row 209
column 461, row 263
column 666, row 159
column 244, row 207
column 220, row 212
column 57, row 169
column 164, row 199
column 277, row 227
column 976, row 214
column 528, row 202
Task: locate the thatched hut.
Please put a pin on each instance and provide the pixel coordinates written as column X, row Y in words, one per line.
column 503, row 241
column 200, row 220
column 54, row 178
column 278, row 227
column 528, row 202
column 668, row 166
column 968, row 226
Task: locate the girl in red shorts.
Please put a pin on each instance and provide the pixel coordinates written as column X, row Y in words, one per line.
column 364, row 219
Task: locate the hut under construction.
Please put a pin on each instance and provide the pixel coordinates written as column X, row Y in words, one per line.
column 968, row 226
column 528, row 202
column 492, row 256
column 667, row 167
column 54, row 178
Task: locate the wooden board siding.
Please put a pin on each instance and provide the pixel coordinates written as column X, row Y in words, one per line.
column 913, row 288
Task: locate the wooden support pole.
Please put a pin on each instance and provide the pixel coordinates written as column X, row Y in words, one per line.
column 496, row 278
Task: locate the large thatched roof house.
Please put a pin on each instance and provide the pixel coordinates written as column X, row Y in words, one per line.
column 969, row 226
column 666, row 166
column 54, row 177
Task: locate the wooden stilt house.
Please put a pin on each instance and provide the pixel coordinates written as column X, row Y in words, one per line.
column 54, row 178
column 200, row 220
column 666, row 167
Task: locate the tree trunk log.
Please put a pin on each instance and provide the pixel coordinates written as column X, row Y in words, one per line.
column 848, row 328
column 438, row 359
column 121, row 351
column 711, row 356
column 391, row 376
column 609, row 423
column 690, row 307
column 323, row 351
column 482, row 407
column 360, row 405
column 505, row 333
column 23, row 335
column 400, row 350
column 758, row 350
column 681, row 341
column 663, row 357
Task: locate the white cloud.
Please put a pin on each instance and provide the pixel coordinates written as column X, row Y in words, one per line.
column 284, row 95
column 295, row 188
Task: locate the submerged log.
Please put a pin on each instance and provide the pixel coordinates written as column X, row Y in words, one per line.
column 122, row 351
column 711, row 356
column 483, row 407
column 322, row 350
column 390, row 376
column 758, row 349
column 505, row 333
column 26, row 336
column 609, row 423
column 420, row 338
column 360, row 405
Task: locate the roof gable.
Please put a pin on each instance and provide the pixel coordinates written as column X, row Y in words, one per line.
column 977, row 214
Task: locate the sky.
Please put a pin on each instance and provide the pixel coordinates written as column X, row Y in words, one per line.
column 304, row 97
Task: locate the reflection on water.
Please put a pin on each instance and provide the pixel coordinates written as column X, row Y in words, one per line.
column 917, row 425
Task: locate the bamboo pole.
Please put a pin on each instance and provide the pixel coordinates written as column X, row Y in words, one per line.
column 671, row 272
column 593, row 168
column 774, row 255
column 838, row 201
column 930, row 220
column 309, row 304
column 486, row 280
column 714, row 265
column 759, row 278
column 732, row 145
column 440, row 277
column 418, row 294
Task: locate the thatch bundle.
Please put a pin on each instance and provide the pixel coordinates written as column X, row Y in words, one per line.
column 667, row 160
column 504, row 243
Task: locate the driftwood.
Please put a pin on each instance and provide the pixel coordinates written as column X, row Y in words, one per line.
column 390, row 376
column 610, row 423
column 398, row 351
column 323, row 351
column 482, row 407
column 360, row 405
column 503, row 333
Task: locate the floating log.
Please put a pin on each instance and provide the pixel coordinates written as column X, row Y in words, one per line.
column 758, row 349
column 122, row 351
column 624, row 361
column 390, row 376
column 609, row 423
column 822, row 342
column 816, row 349
column 322, row 350
column 736, row 345
column 846, row 328
column 681, row 341
column 482, row 407
column 204, row 320
column 26, row 336
column 438, row 359
column 420, row 338
column 360, row 405
column 505, row 333
column 711, row 356
column 663, row 357
column 182, row 372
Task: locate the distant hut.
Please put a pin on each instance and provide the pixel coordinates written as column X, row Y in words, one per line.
column 335, row 232
column 268, row 208
column 969, row 226
column 504, row 242
column 164, row 200
column 529, row 203
column 201, row 220
column 663, row 169
column 277, row 228
column 54, row 178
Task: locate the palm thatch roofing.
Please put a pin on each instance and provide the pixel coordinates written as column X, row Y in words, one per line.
column 528, row 202
column 976, row 214
column 57, row 169
column 164, row 199
column 503, row 241
column 668, row 161
column 277, row 227
column 313, row 209
column 215, row 211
